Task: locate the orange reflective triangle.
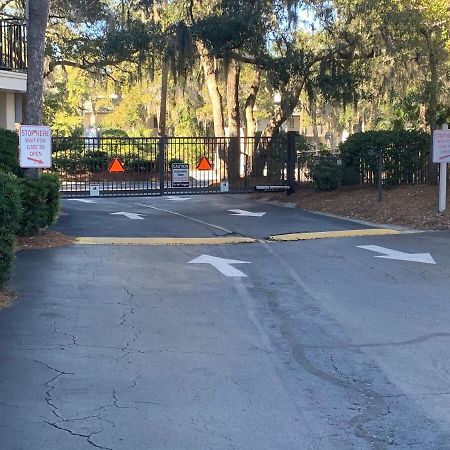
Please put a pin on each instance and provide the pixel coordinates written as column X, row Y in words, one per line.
column 116, row 166
column 204, row 164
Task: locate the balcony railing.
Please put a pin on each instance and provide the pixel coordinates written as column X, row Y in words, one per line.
column 13, row 45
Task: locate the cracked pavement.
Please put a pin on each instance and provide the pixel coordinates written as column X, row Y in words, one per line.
column 321, row 346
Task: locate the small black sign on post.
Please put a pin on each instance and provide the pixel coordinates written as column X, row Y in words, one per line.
column 180, row 175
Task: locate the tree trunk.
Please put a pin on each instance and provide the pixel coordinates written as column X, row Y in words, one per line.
column 38, row 11
column 37, row 25
column 210, row 71
column 314, row 124
column 163, row 99
column 250, row 122
column 234, row 120
column 432, row 111
column 289, row 100
column 234, row 117
column 209, row 68
column 423, row 117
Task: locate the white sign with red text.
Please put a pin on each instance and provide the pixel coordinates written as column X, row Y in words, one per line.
column 441, row 146
column 35, row 143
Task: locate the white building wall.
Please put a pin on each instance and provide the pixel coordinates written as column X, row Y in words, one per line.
column 13, row 81
column 10, row 113
column 13, row 86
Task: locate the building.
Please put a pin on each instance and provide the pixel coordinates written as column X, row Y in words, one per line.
column 13, row 71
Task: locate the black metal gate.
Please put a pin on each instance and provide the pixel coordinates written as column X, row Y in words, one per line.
column 122, row 166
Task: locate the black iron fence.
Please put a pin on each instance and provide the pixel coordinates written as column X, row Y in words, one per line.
column 13, row 45
column 146, row 166
column 395, row 171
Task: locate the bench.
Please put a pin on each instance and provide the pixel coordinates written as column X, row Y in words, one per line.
column 272, row 188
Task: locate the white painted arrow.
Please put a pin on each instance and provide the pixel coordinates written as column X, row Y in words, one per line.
column 131, row 216
column 82, row 200
column 242, row 212
column 388, row 253
column 223, row 265
column 178, row 199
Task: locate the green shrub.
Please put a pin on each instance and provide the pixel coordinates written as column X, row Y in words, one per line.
column 405, row 154
column 52, row 197
column 40, row 204
column 324, row 172
column 33, row 194
column 9, row 144
column 9, row 217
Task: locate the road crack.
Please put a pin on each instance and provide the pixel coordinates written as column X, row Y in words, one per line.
column 88, row 437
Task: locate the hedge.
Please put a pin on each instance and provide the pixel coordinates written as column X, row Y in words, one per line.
column 40, row 203
column 405, row 155
column 26, row 206
column 9, row 218
column 9, row 144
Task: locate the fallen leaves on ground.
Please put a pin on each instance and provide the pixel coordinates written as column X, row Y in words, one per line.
column 411, row 206
column 6, row 298
column 44, row 239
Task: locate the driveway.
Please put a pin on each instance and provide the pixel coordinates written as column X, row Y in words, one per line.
column 305, row 344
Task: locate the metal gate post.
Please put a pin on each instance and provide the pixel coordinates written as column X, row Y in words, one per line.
column 161, row 163
column 234, row 159
column 291, row 160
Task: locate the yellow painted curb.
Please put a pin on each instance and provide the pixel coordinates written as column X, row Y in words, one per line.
column 219, row 240
column 333, row 234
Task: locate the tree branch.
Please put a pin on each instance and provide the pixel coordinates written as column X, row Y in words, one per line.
column 84, row 66
column 4, row 4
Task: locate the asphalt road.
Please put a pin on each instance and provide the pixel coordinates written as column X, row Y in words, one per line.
column 319, row 345
column 189, row 216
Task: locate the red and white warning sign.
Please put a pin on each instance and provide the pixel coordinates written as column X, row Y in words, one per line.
column 35, row 143
column 441, row 146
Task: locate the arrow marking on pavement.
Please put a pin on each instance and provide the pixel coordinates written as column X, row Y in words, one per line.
column 388, row 253
column 177, row 199
column 223, row 265
column 82, row 200
column 242, row 212
column 131, row 216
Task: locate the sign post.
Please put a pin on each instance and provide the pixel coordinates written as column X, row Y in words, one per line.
column 441, row 155
column 35, row 144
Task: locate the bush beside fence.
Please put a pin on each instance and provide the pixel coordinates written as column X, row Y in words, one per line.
column 405, row 155
column 324, row 172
